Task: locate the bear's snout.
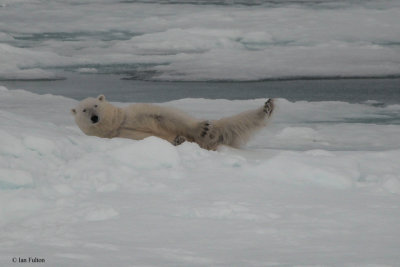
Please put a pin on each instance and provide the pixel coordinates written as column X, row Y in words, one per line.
column 94, row 118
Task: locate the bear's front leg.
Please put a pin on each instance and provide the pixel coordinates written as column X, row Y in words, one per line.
column 133, row 134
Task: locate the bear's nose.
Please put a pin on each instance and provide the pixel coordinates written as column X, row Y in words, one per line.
column 94, row 118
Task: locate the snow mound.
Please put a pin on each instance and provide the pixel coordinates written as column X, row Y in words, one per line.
column 151, row 153
column 303, row 168
column 101, row 214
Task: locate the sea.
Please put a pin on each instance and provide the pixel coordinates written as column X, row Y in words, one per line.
column 158, row 51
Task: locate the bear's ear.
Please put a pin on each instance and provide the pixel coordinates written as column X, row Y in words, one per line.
column 101, row 98
column 73, row 111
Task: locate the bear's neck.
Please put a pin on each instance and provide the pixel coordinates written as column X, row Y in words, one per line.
column 115, row 123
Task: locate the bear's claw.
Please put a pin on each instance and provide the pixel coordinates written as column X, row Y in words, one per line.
column 205, row 128
column 179, row 139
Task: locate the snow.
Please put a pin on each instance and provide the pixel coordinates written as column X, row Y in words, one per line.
column 10, row 178
column 196, row 42
column 319, row 186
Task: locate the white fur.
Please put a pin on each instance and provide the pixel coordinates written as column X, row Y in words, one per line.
column 139, row 121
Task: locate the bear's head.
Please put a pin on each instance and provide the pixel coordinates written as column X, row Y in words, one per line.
column 95, row 116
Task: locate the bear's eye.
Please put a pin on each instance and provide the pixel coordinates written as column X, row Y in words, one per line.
column 84, row 110
column 95, row 106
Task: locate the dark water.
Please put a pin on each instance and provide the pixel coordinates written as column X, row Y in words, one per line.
column 79, row 86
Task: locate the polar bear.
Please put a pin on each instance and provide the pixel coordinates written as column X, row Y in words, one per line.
column 97, row 117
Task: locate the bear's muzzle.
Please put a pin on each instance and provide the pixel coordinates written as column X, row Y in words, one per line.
column 94, row 118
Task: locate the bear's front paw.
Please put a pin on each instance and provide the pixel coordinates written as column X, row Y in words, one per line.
column 269, row 107
column 179, row 139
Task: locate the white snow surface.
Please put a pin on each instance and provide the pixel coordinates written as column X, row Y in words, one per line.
column 309, row 190
column 161, row 41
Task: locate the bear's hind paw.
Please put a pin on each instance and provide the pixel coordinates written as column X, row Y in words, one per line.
column 205, row 129
column 269, row 107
